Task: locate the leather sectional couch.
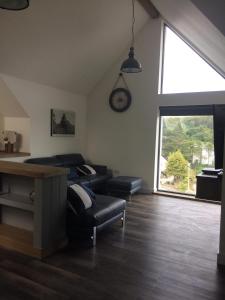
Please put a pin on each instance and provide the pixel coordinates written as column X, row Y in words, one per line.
column 96, row 182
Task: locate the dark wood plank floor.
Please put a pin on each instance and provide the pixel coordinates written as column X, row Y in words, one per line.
column 167, row 251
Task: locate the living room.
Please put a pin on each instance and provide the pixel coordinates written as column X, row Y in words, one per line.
column 70, row 60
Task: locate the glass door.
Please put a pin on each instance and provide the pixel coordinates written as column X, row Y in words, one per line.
column 186, row 146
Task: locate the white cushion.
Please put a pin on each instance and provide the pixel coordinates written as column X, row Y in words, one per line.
column 83, row 195
column 92, row 170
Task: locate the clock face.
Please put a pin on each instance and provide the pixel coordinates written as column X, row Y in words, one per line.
column 120, row 100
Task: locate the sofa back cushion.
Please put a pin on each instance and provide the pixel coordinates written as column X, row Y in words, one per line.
column 75, row 159
column 49, row 161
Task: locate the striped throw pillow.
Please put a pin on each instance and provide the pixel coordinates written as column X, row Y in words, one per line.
column 86, row 170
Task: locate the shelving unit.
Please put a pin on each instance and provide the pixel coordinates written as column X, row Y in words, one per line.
column 17, row 201
column 46, row 208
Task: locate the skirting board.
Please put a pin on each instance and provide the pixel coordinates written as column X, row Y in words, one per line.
column 146, row 191
column 221, row 259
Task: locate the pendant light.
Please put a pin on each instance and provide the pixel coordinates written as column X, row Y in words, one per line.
column 14, row 4
column 131, row 65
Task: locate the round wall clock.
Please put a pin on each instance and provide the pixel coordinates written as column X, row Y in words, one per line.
column 120, row 99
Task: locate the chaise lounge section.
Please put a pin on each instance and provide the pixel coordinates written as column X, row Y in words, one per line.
column 105, row 212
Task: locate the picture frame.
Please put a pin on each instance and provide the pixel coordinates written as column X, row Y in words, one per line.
column 62, row 123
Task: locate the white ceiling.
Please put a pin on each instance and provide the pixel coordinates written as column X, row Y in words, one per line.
column 66, row 44
column 214, row 11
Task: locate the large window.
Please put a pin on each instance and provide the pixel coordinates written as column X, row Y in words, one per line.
column 184, row 70
column 186, row 147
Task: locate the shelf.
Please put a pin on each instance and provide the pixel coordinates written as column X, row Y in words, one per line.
column 17, row 201
column 18, row 239
column 21, row 240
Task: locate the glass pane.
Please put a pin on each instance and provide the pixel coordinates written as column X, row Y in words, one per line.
column 187, row 146
column 184, row 70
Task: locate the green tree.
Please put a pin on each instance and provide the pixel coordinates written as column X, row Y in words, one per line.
column 177, row 166
column 183, row 185
column 190, row 135
column 173, row 136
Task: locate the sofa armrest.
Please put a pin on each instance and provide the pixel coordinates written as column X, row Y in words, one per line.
column 100, row 169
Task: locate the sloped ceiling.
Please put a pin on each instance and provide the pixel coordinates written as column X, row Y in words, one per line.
column 214, row 11
column 66, row 44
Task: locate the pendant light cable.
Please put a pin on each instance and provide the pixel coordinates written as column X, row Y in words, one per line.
column 131, row 64
column 133, row 22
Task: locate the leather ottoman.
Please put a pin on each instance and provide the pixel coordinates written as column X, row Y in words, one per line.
column 124, row 185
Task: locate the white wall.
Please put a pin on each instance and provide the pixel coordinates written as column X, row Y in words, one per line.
column 1, row 128
column 1, row 122
column 127, row 141
column 9, row 105
column 37, row 100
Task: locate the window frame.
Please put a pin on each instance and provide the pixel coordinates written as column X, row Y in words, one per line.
column 166, row 24
column 207, row 110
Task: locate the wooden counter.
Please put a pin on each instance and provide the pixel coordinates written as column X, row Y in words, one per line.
column 31, row 170
column 13, row 154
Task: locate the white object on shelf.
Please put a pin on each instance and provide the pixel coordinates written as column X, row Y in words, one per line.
column 9, row 135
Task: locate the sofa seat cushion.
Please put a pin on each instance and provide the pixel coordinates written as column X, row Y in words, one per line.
column 91, row 181
column 125, row 183
column 85, row 180
column 97, row 179
column 105, row 208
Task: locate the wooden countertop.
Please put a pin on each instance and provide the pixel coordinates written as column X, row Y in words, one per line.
column 13, row 154
column 31, row 170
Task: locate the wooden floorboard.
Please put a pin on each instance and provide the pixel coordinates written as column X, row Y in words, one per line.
column 167, row 251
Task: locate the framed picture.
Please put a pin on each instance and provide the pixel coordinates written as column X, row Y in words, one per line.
column 62, row 123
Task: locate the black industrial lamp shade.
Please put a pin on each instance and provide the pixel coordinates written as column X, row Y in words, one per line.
column 131, row 65
column 14, row 4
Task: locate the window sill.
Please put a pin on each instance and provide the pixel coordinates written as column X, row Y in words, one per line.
column 185, row 197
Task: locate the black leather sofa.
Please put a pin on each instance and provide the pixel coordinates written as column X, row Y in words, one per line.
column 96, row 182
column 106, row 210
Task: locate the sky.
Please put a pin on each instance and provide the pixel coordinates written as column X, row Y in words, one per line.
column 185, row 71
